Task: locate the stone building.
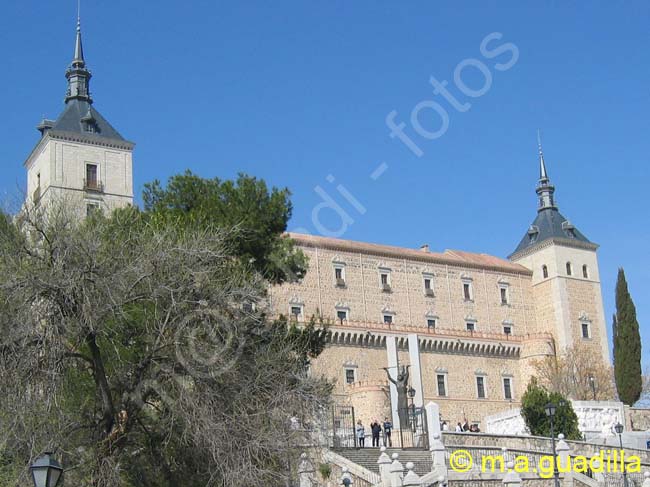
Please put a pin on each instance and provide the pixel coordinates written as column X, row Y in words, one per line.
column 80, row 159
column 468, row 325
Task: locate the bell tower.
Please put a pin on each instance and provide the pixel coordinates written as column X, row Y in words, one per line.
column 80, row 158
column 566, row 279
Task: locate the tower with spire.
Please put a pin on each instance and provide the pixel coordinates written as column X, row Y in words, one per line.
column 80, row 158
column 566, row 287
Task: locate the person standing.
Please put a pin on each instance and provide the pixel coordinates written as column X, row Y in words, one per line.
column 459, row 428
column 388, row 428
column 375, row 427
column 361, row 434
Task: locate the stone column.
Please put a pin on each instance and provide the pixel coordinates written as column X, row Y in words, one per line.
column 306, row 471
column 391, row 350
column 396, row 472
column 416, row 371
column 411, row 479
column 384, row 466
column 512, row 478
column 433, row 421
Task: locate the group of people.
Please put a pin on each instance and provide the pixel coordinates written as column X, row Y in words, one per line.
column 376, row 429
column 463, row 427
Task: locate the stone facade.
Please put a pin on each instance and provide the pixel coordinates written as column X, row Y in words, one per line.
column 471, row 315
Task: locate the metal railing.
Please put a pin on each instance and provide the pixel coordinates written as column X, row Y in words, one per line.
column 93, row 185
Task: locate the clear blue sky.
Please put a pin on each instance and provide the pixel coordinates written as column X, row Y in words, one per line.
column 294, row 91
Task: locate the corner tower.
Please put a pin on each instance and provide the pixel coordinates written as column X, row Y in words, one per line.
column 566, row 280
column 80, row 157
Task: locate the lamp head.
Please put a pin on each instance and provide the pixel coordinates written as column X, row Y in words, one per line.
column 46, row 471
column 550, row 409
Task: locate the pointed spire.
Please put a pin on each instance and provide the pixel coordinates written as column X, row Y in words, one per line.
column 543, row 175
column 545, row 189
column 78, row 47
column 77, row 74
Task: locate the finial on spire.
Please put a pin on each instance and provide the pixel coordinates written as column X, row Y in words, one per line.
column 77, row 74
column 543, row 175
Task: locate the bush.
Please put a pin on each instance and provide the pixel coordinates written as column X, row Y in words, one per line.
column 533, row 405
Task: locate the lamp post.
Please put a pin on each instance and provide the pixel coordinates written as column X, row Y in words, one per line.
column 618, row 427
column 46, row 471
column 550, row 409
column 412, row 393
column 592, row 383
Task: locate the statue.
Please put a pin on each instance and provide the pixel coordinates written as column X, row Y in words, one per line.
column 402, row 395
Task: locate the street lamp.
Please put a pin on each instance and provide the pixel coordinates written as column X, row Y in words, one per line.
column 550, row 409
column 46, row 471
column 618, row 427
column 412, row 393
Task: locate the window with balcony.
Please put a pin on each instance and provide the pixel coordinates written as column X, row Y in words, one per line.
column 470, row 326
column 388, row 319
column 296, row 312
column 431, row 324
column 384, row 281
column 339, row 276
column 92, row 181
column 342, row 315
column 507, row 329
column 428, row 285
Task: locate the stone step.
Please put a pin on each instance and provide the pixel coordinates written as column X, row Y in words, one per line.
column 367, row 458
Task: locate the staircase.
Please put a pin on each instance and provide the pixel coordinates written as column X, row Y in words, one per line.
column 367, row 458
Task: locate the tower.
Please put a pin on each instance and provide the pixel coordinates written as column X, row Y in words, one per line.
column 566, row 280
column 80, row 158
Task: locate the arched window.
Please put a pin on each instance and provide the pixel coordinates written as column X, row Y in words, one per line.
column 585, row 271
column 544, row 271
column 568, row 269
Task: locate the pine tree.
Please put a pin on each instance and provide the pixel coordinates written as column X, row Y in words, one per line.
column 627, row 345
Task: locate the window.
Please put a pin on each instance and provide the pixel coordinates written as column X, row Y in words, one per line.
column 568, row 269
column 296, row 312
column 431, row 323
column 388, row 319
column 91, row 208
column 350, row 376
column 507, row 329
column 428, row 286
column 504, row 295
column 384, row 279
column 442, row 384
column 471, row 326
column 507, row 387
column 585, row 271
column 339, row 276
column 467, row 291
column 342, row 315
column 545, row 271
column 480, row 387
column 91, row 176
column 586, row 332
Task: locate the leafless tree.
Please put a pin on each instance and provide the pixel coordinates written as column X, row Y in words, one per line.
column 578, row 374
column 126, row 348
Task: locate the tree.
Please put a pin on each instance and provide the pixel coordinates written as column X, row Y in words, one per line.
column 126, row 348
column 259, row 216
column 627, row 345
column 533, row 405
column 577, row 374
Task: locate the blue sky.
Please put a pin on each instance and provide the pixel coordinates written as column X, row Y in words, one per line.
column 295, row 91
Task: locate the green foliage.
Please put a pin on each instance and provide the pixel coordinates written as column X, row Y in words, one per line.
column 533, row 405
column 260, row 218
column 325, row 470
column 627, row 345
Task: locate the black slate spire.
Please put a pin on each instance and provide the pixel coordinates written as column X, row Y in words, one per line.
column 77, row 74
column 550, row 223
